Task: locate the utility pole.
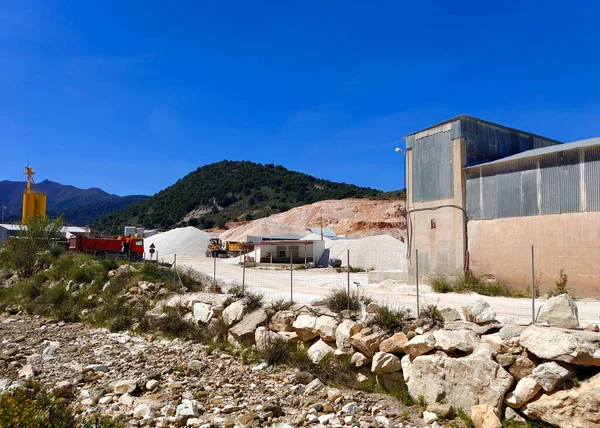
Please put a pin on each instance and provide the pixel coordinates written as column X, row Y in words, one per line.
column 321, row 223
column 3, row 208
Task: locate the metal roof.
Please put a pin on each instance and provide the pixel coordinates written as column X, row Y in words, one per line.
column 261, row 243
column 464, row 116
column 13, row 226
column 544, row 151
column 327, row 231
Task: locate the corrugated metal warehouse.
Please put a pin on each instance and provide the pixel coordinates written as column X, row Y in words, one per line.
column 480, row 194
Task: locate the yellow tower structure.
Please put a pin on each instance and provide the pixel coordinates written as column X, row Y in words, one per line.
column 34, row 201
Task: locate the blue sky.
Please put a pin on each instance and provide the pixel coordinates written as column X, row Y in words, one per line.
column 131, row 96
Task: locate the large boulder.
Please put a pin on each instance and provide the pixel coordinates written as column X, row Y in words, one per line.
column 459, row 340
column 548, row 375
column 420, row 345
column 571, row 346
column 485, row 416
column 449, row 314
column 394, row 344
column 523, row 365
column 524, row 391
column 571, row 408
column 326, row 327
column 344, row 332
column 244, row 331
column 264, row 338
column 368, row 344
column 406, row 367
column 385, row 363
column 234, row 312
column 202, row 312
column 560, row 311
column 463, row 382
column 479, row 312
column 305, row 327
column 283, row 321
column 319, row 350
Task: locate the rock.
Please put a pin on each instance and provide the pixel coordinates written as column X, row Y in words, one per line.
column 449, row 314
column 522, row 366
column 125, row 386
column 463, row 382
column 572, row 408
column 429, row 417
column 506, row 360
column 560, row 311
column 326, row 327
column 359, row 360
column 97, row 368
column 549, row 375
column 384, row 362
column 244, row 331
column 187, row 409
column 350, row 408
column 592, row 327
column 27, row 371
column 485, row 416
column 467, row 325
column 461, row 340
column 389, row 381
column 314, row 386
column 524, row 391
column 382, row 421
column 511, row 415
column 263, row 338
column 289, row 336
column 394, row 344
column 303, row 377
column 152, row 384
column 143, row 411
column 440, row 409
column 509, row 331
column 571, row 346
column 420, row 345
column 50, row 353
column 202, row 312
column 234, row 313
column 406, row 363
column 283, row 321
column 64, row 389
column 126, row 399
column 344, row 332
column 479, row 312
column 305, row 327
column 319, row 350
column 368, row 344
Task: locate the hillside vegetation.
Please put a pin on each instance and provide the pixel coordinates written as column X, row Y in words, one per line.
column 231, row 191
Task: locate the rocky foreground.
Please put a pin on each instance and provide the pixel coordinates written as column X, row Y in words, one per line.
column 157, row 382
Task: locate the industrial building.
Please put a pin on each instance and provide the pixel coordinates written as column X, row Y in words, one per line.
column 480, row 195
column 66, row 232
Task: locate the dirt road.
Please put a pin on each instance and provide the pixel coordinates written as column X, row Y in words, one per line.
column 306, row 285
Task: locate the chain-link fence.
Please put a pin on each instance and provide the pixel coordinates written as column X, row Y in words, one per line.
column 514, row 281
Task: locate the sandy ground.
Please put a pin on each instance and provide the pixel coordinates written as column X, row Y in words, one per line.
column 306, row 285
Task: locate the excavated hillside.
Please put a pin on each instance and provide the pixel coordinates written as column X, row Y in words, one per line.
column 356, row 218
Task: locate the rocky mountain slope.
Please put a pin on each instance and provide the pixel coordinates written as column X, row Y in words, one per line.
column 355, row 218
column 231, row 191
column 78, row 206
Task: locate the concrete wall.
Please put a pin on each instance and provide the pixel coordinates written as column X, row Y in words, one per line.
column 570, row 241
column 441, row 249
column 312, row 252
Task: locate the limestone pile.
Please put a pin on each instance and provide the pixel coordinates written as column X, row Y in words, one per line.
column 184, row 241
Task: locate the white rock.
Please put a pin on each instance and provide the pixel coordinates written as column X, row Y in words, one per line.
column 319, row 350
column 98, row 368
column 550, row 374
column 429, row 417
column 143, row 411
column 420, row 345
column 315, row 385
column 234, row 312
column 524, row 391
column 264, row 337
column 26, row 371
column 479, row 312
column 344, row 332
column 187, row 409
column 202, row 312
column 125, row 386
column 485, row 416
column 510, row 414
column 152, row 384
column 350, row 408
column 461, row 340
column 326, row 327
column 385, row 363
column 126, row 399
column 305, row 327
column 560, row 311
column 359, row 360
column 325, row 419
column 382, row 420
column 406, row 367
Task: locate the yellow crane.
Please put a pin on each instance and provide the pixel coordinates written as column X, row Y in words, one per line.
column 34, row 201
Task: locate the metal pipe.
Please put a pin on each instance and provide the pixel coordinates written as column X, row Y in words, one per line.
column 348, row 278
column 417, row 268
column 214, row 273
column 532, row 286
column 244, row 272
column 291, row 280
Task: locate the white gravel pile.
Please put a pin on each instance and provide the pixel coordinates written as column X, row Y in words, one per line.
column 185, row 242
column 381, row 252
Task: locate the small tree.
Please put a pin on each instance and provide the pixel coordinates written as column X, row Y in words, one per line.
column 23, row 252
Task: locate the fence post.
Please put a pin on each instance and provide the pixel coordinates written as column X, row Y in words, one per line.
column 348, row 258
column 532, row 286
column 244, row 273
column 214, row 273
column 291, row 279
column 417, row 277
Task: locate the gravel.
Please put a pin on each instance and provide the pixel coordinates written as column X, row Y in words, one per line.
column 184, row 241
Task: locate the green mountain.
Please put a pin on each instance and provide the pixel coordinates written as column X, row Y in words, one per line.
column 230, row 191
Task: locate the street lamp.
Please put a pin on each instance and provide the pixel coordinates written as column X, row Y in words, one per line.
column 399, row 150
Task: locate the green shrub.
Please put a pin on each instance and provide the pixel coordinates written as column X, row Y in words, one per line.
column 98, row 421
column 432, row 314
column 471, row 283
column 560, row 286
column 441, row 284
column 355, row 269
column 390, row 320
column 175, row 326
column 280, row 305
column 339, row 299
column 465, row 418
column 21, row 408
column 253, row 301
column 237, row 291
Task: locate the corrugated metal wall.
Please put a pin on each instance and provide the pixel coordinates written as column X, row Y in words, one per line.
column 432, row 168
column 546, row 184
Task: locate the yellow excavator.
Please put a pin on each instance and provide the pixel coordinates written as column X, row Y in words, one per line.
column 216, row 248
